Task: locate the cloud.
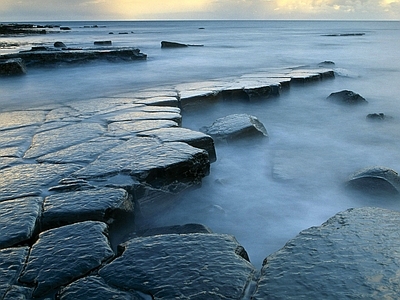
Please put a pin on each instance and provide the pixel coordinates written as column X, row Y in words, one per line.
column 197, row 9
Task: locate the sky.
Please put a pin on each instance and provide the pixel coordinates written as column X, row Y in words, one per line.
column 76, row 10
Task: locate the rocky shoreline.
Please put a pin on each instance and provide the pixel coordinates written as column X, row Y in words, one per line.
column 76, row 178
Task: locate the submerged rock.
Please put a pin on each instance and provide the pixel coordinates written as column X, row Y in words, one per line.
column 235, row 126
column 19, row 219
column 187, row 266
column 347, row 97
column 351, row 256
column 65, row 254
column 377, row 117
column 59, row 45
column 376, row 181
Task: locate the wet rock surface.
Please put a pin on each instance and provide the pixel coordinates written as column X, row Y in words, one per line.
column 11, row 264
column 236, row 126
column 101, row 204
column 64, row 254
column 116, row 161
column 351, row 256
column 202, row 266
column 19, row 218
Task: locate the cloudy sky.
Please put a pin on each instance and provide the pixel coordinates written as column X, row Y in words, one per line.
column 63, row 10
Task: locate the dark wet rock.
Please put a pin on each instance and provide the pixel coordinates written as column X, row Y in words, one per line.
column 12, row 261
column 235, row 126
column 85, row 152
column 149, row 160
column 191, row 137
column 351, row 256
column 31, row 179
column 16, row 292
column 65, row 254
column 209, row 267
column 377, row 117
column 175, row 229
column 326, row 63
column 21, row 29
column 376, row 181
column 65, row 28
column 94, row 288
column 103, row 43
column 166, row 44
column 59, row 45
column 12, row 66
column 61, row 138
column 347, row 97
column 346, row 34
column 101, row 204
column 53, row 56
column 19, row 220
column 130, row 129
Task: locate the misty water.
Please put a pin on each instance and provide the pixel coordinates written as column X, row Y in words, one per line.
column 264, row 192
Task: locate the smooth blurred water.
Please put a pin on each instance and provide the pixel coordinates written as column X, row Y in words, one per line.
column 319, row 144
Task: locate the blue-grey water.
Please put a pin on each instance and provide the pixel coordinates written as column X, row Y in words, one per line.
column 316, row 144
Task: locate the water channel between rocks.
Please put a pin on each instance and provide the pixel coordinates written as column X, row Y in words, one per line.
column 265, row 191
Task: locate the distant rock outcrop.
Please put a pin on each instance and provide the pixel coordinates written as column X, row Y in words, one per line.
column 347, row 97
column 42, row 55
column 166, row 44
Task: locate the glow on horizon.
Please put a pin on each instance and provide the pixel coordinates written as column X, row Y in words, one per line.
column 24, row 10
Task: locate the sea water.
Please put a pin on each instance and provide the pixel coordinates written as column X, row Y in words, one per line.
column 264, row 192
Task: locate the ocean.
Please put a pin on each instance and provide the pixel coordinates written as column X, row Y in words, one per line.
column 315, row 143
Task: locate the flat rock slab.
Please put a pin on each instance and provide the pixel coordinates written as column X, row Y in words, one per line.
column 188, row 266
column 62, row 255
column 351, row 256
column 149, row 160
column 101, row 204
column 31, row 179
column 94, row 288
column 43, row 56
column 16, row 119
column 235, row 126
column 194, row 138
column 12, row 261
column 85, row 152
column 60, row 138
column 129, row 129
column 19, row 219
